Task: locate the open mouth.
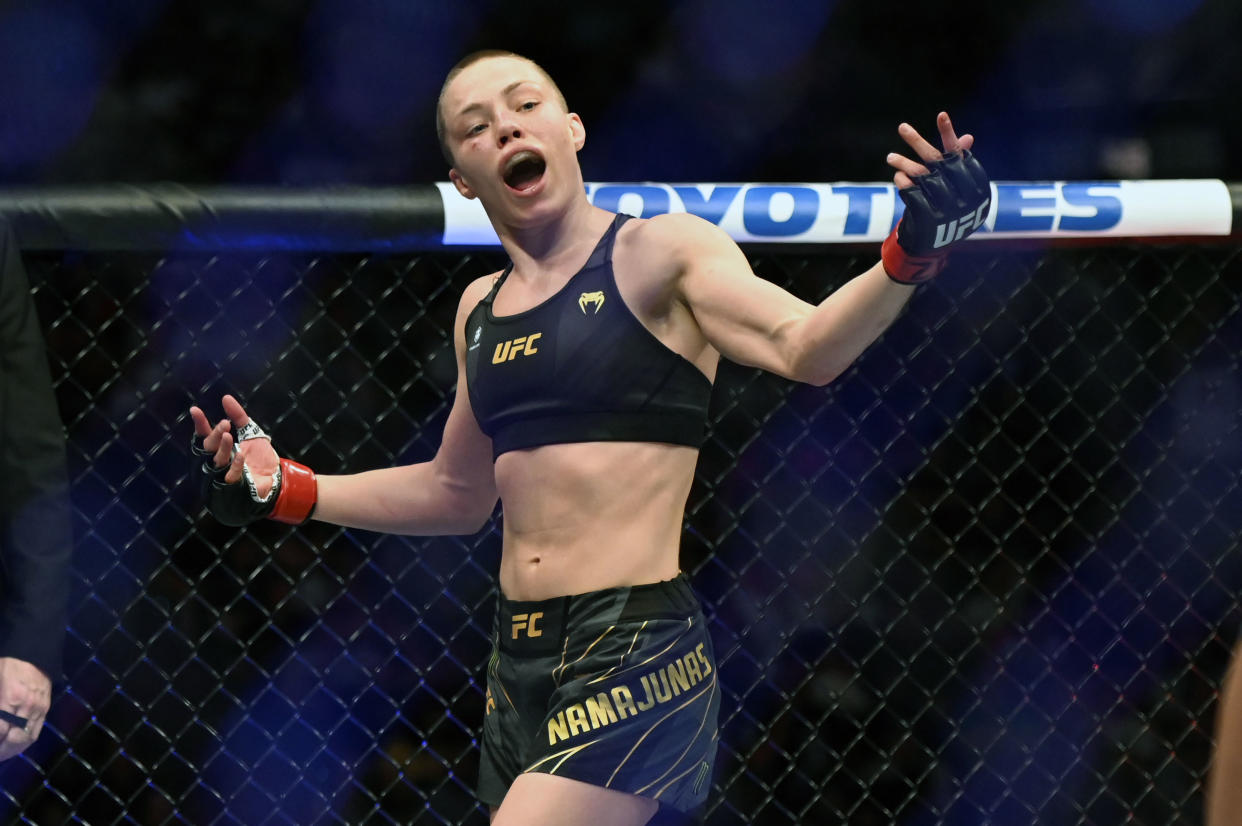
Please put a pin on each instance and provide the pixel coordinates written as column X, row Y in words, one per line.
column 524, row 170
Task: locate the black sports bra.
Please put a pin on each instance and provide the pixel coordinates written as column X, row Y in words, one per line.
column 579, row 367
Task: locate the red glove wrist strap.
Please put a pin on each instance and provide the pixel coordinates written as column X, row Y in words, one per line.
column 299, row 492
column 905, row 268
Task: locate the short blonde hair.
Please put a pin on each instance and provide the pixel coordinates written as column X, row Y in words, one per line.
column 468, row 61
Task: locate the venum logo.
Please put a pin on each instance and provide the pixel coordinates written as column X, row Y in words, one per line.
column 514, row 347
column 594, row 300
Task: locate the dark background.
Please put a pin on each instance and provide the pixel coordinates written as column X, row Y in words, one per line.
column 343, row 91
column 988, row 576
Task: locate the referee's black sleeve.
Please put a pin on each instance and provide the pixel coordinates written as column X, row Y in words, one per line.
column 36, row 534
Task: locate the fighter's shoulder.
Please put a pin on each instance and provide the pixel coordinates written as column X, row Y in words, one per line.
column 475, row 292
column 675, row 228
column 675, row 237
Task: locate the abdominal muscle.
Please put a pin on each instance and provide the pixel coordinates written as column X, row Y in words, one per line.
column 586, row 516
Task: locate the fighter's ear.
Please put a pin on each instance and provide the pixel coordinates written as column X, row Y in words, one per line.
column 577, row 132
column 460, row 182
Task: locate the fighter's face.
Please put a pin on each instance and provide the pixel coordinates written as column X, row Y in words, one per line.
column 513, row 143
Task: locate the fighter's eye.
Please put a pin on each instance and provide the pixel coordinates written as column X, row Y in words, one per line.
column 528, row 105
column 476, row 129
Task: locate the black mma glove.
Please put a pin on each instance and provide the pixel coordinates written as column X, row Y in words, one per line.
column 944, row 206
column 291, row 500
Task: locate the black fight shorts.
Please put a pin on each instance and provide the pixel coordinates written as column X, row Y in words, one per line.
column 616, row 688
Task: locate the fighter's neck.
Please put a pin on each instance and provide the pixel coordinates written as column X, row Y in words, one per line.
column 556, row 245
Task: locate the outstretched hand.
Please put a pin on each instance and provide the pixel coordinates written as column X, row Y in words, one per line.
column 256, row 454
column 908, row 169
column 946, row 195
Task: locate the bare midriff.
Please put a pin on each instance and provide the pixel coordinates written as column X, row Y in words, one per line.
column 587, row 516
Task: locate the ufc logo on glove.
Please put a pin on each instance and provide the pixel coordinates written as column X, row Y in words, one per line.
column 957, row 230
column 944, row 206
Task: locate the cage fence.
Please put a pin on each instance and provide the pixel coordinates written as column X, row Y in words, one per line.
column 989, row 575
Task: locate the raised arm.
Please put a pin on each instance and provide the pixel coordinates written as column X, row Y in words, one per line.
column 454, row 493
column 754, row 322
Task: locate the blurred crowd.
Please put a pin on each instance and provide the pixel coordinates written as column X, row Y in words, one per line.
column 305, row 92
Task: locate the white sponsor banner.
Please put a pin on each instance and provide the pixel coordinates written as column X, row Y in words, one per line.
column 465, row 222
column 865, row 212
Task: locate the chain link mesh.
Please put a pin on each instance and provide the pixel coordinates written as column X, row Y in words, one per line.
column 989, row 575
